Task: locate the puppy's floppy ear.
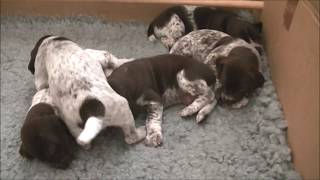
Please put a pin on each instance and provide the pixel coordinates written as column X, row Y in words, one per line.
column 259, row 79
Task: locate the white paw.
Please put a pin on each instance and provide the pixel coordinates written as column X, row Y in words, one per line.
column 200, row 117
column 184, row 112
column 154, row 139
column 243, row 102
column 84, row 144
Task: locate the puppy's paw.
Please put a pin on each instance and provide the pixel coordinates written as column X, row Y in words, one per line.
column 200, row 117
column 185, row 112
column 154, row 139
column 152, row 38
column 84, row 144
column 243, row 102
column 136, row 137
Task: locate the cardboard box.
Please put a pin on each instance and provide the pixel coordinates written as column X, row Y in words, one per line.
column 293, row 53
column 291, row 30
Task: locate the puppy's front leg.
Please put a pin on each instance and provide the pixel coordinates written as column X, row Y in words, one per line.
column 152, row 101
column 243, row 102
column 205, row 110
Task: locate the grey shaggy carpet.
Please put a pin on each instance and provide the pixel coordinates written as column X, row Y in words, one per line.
column 248, row 143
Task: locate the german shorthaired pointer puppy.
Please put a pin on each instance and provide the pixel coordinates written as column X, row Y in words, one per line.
column 76, row 79
column 235, row 62
column 44, row 135
column 177, row 21
column 153, row 83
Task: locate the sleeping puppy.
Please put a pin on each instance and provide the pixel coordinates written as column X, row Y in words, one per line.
column 150, row 84
column 235, row 62
column 76, row 79
column 170, row 25
column 44, row 136
column 227, row 22
column 178, row 21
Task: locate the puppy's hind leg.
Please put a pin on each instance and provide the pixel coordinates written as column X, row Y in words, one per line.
column 125, row 120
column 197, row 88
column 152, row 101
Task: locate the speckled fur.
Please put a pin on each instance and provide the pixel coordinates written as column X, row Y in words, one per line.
column 190, row 18
column 171, row 32
column 203, row 93
column 202, row 45
column 42, row 96
column 73, row 75
column 160, row 81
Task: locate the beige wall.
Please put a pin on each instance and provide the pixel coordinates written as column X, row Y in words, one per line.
column 108, row 10
column 294, row 61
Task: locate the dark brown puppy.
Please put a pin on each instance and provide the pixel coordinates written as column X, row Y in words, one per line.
column 45, row 137
column 227, row 22
column 152, row 83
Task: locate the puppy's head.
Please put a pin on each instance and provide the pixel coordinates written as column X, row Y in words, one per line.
column 170, row 25
column 173, row 30
column 45, row 137
column 238, row 80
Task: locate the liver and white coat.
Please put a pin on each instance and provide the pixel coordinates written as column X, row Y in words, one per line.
column 44, row 135
column 235, row 62
column 152, row 83
column 175, row 22
column 76, row 79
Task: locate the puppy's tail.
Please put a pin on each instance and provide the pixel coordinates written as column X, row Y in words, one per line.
column 91, row 107
column 92, row 112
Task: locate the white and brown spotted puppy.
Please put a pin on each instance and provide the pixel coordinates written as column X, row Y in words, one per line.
column 79, row 88
column 44, row 135
column 170, row 25
column 152, row 83
column 235, row 62
column 177, row 21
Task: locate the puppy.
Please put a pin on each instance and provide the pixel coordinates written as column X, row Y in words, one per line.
column 170, row 25
column 152, row 83
column 235, row 62
column 77, row 82
column 175, row 22
column 227, row 22
column 44, row 136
